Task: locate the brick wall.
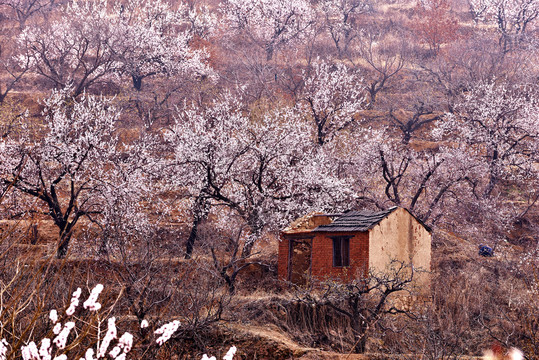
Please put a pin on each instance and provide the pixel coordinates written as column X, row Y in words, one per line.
column 282, row 262
column 322, row 256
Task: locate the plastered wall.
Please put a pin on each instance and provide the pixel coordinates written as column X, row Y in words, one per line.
column 401, row 237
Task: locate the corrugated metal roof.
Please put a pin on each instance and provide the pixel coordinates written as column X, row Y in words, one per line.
column 355, row 221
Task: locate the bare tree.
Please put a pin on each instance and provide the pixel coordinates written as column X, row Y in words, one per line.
column 270, row 24
column 512, row 18
column 341, row 20
column 363, row 301
column 24, row 9
column 385, row 59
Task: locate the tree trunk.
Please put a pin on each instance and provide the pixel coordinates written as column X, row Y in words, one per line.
column 372, row 90
column 201, row 210
column 269, row 52
column 66, row 231
column 33, row 234
column 360, row 332
column 137, row 82
column 63, row 246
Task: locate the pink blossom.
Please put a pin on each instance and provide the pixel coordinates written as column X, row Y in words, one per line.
column 89, row 354
column 126, row 342
column 115, row 352
column 332, row 95
column 144, row 324
column 273, row 23
column 57, row 328
column 230, row 354
column 3, row 349
column 61, row 357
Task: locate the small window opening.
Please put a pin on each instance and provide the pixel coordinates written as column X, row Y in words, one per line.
column 341, row 251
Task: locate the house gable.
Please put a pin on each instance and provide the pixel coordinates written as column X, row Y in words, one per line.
column 404, row 238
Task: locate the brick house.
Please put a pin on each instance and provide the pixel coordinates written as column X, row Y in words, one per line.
column 348, row 245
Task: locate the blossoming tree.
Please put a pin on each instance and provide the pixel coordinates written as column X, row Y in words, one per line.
column 94, row 42
column 499, row 123
column 148, row 39
column 72, row 50
column 341, row 19
column 265, row 169
column 74, row 167
column 331, row 98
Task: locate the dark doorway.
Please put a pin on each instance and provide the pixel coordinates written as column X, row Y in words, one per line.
column 300, row 261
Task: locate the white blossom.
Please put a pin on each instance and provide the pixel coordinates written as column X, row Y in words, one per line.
column 78, row 153
column 115, row 352
column 230, row 353
column 91, row 303
column 61, row 339
column 267, row 169
column 332, row 96
column 126, row 342
column 74, row 302
column 109, row 336
column 45, row 351
column 89, row 354
column 147, row 39
column 272, row 23
column 512, row 17
column 30, row 352
column 499, row 124
column 166, row 331
column 3, row 349
column 53, row 316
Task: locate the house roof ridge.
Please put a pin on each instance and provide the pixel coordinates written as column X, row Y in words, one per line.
column 356, row 220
